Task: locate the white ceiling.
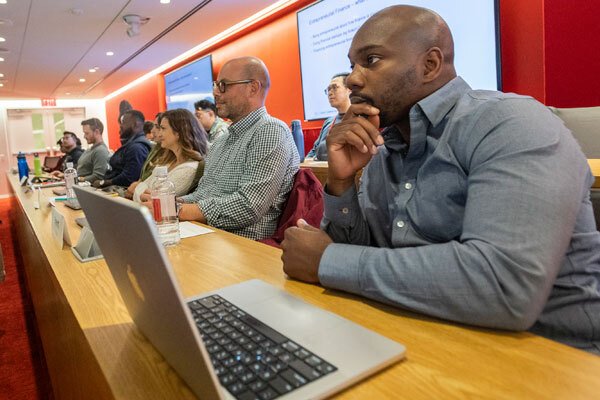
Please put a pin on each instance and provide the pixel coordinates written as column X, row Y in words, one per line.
column 51, row 44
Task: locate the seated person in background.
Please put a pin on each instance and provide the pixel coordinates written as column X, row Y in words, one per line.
column 155, row 153
column 339, row 98
column 251, row 170
column 148, row 125
column 93, row 162
column 206, row 112
column 474, row 208
column 126, row 163
column 71, row 146
column 184, row 141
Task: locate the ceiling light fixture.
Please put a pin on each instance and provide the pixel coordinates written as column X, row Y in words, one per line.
column 2, row 1
column 1, row 59
column 2, row 39
column 1, row 84
column 259, row 16
column 92, row 70
column 68, row 93
column 110, row 53
column 81, row 79
column 1, row 75
column 165, row 1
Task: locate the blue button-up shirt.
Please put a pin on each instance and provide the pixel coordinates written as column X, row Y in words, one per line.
column 484, row 219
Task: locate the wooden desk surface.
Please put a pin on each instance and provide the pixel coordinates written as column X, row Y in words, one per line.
column 92, row 346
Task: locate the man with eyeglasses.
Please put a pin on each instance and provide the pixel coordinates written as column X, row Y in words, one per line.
column 250, row 171
column 339, row 98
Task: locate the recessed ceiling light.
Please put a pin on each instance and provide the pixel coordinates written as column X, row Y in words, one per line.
column 2, row 1
column 68, row 93
column 1, row 59
column 2, row 39
column 165, row 1
column 110, row 53
column 92, row 70
column 82, row 80
column 1, row 75
column 1, row 84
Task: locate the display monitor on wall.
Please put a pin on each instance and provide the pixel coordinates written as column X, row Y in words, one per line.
column 189, row 84
column 326, row 29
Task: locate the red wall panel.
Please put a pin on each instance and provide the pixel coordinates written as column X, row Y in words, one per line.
column 572, row 53
column 522, row 47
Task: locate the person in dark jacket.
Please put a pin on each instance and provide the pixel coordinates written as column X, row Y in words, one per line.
column 126, row 163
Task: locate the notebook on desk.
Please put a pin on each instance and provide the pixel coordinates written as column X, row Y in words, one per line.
column 246, row 341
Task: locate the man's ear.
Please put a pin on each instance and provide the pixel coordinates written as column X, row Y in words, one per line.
column 433, row 60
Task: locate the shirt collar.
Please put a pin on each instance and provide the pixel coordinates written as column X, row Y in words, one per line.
column 245, row 123
column 437, row 105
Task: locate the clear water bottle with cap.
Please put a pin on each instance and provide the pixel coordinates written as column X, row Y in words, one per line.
column 298, row 136
column 22, row 165
column 70, row 179
column 164, row 207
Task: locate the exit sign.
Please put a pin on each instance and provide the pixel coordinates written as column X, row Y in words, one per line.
column 50, row 102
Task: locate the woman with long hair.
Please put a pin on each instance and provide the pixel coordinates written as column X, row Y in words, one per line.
column 183, row 141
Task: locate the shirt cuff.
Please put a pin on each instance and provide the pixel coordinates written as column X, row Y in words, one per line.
column 341, row 209
column 340, row 267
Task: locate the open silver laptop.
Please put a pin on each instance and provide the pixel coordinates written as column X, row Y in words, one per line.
column 246, row 341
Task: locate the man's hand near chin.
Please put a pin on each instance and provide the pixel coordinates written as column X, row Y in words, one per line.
column 303, row 247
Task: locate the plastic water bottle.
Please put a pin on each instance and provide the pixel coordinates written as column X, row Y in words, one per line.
column 70, row 179
column 165, row 211
column 37, row 164
column 23, row 167
column 298, row 138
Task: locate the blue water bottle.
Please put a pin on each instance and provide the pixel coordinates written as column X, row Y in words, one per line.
column 23, row 167
column 298, row 138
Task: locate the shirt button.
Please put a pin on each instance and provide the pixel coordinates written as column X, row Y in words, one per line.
column 400, row 224
column 408, row 186
column 345, row 210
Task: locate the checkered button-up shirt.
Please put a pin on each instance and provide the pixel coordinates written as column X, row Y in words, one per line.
column 248, row 175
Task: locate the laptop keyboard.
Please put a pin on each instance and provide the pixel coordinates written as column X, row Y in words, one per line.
column 252, row 360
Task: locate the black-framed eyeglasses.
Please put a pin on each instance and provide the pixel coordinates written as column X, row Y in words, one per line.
column 222, row 85
column 333, row 87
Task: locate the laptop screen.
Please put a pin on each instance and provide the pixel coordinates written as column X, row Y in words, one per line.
column 51, row 162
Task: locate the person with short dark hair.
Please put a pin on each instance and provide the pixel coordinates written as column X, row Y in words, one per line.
column 338, row 95
column 71, row 146
column 473, row 205
column 94, row 161
column 148, row 125
column 126, row 163
column 206, row 113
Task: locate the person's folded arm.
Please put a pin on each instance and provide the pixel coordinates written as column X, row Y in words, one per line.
column 267, row 161
column 134, row 156
column 525, row 188
column 343, row 220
